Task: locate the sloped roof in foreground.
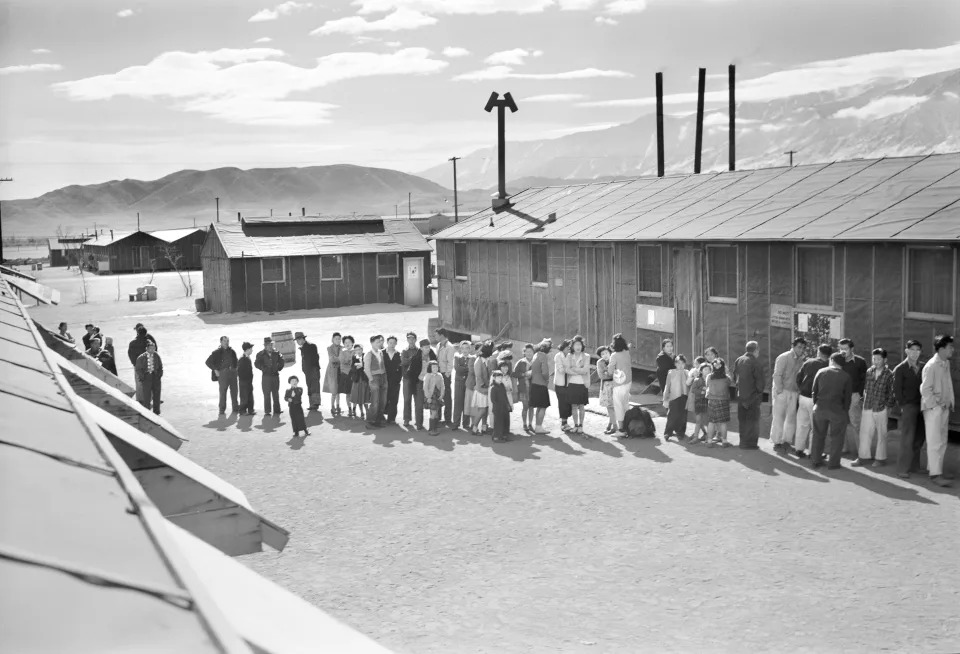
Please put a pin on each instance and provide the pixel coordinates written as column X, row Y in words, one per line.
column 903, row 199
column 399, row 235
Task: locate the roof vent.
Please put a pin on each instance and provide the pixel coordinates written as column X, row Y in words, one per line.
column 552, row 218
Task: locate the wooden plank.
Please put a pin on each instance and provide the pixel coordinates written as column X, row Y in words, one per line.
column 174, row 493
column 254, row 292
column 297, row 283
column 84, row 361
column 368, row 267
column 233, row 531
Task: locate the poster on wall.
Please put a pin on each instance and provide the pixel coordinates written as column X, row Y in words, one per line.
column 656, row 318
column 817, row 328
column 781, row 315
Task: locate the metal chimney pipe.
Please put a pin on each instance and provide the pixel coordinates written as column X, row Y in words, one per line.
column 732, row 79
column 701, row 84
column 238, row 216
column 659, row 124
column 303, row 211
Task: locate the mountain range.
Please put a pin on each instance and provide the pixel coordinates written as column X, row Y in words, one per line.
column 891, row 117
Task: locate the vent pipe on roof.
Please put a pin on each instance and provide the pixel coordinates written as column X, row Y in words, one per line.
column 732, row 77
column 506, row 102
column 303, row 211
column 659, row 124
column 238, row 216
column 111, row 234
column 701, row 84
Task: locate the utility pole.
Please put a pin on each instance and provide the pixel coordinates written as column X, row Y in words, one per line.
column 138, row 221
column 409, row 205
column 218, row 208
column 791, row 153
column 2, row 179
column 456, row 210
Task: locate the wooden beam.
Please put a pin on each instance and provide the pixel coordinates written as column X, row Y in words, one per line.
column 231, row 530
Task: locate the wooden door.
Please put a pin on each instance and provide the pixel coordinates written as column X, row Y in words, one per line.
column 413, row 281
column 688, row 296
column 598, row 294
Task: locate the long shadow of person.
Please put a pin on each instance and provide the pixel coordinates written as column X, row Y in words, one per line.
column 296, row 442
column 597, row 444
column 221, row 424
column 647, row 448
column 270, row 424
column 245, row 423
column 876, row 485
column 556, row 442
column 916, row 480
column 759, row 460
column 387, row 436
column 313, row 418
column 517, row 447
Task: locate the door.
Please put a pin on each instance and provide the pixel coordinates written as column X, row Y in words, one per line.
column 688, row 293
column 413, row 281
column 144, row 257
column 597, row 294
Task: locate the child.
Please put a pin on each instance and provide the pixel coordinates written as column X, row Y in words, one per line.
column 359, row 384
column 522, row 373
column 245, row 381
column 505, row 361
column 294, row 399
column 698, row 393
column 433, row 388
column 718, row 403
column 606, row 387
column 501, row 407
column 577, row 365
column 345, row 374
column 675, row 399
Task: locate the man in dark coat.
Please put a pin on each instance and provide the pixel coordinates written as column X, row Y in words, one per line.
column 86, row 338
column 310, row 362
column 391, row 361
column 664, row 362
column 832, row 388
column 103, row 356
column 415, row 374
column 269, row 362
column 409, row 386
column 139, row 344
column 223, row 363
column 245, row 380
column 749, row 378
column 148, row 370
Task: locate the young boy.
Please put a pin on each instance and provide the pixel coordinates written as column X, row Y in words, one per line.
column 698, row 393
column 245, row 381
column 294, row 399
column 675, row 399
column 500, row 407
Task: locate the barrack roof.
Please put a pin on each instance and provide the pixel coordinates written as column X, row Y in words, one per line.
column 913, row 198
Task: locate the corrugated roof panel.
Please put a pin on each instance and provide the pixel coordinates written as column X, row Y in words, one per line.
column 510, row 221
column 468, row 225
column 571, row 212
column 945, row 224
column 105, row 240
column 725, row 222
column 815, row 218
column 665, row 217
column 635, row 216
column 890, row 222
column 612, row 213
column 586, row 218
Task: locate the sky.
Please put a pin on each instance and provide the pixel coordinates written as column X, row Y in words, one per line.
column 102, row 89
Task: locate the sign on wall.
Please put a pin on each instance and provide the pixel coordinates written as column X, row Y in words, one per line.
column 781, row 315
column 656, row 318
column 817, row 328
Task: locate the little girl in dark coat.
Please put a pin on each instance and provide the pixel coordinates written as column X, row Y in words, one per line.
column 500, row 406
column 294, row 399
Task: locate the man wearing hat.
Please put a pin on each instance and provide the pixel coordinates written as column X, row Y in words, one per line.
column 310, row 363
column 245, row 379
column 376, row 371
column 270, row 363
column 415, row 374
column 223, row 364
column 786, row 394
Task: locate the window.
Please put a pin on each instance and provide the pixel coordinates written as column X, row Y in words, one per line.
column 648, row 270
column 930, row 282
column 722, row 272
column 460, row 259
column 331, row 267
column 538, row 262
column 815, row 276
column 272, row 271
column 388, row 265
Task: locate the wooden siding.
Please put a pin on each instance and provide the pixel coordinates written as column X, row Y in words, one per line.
column 217, row 287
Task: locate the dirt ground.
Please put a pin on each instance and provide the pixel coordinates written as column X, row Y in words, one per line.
column 555, row 543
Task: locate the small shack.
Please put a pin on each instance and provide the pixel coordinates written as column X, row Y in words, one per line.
column 127, row 252
column 65, row 250
column 431, row 223
column 314, row 262
column 867, row 249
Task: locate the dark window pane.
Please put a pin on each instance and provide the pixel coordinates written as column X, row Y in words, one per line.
column 931, row 281
column 330, row 267
column 460, row 259
column 722, row 262
column 272, row 269
column 388, row 265
column 538, row 262
column 815, row 276
column 648, row 269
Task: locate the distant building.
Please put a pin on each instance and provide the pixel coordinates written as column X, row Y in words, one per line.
column 126, row 252
column 314, row 262
column 429, row 223
column 65, row 250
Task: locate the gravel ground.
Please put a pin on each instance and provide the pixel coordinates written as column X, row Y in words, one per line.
column 558, row 543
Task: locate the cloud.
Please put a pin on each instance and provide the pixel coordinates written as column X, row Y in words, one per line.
column 454, row 51
column 555, row 97
column 282, row 9
column 247, row 86
column 452, row 7
column 506, row 72
column 40, row 51
column 603, row 20
column 125, row 13
column 401, row 19
column 393, row 44
column 263, row 39
column 30, row 68
column 513, row 57
column 819, row 77
column 622, row 7
column 881, row 107
column 576, row 5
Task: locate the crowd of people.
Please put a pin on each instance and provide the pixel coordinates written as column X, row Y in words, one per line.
column 829, row 404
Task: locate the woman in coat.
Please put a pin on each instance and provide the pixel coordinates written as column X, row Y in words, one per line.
column 344, row 378
column 539, row 379
column 481, row 399
column 621, row 370
column 560, row 384
column 331, row 376
column 577, row 365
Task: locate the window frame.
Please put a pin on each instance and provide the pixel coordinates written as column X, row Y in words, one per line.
column 283, row 271
column 456, row 261
column 339, row 258
column 907, row 283
column 833, row 276
column 546, row 265
column 659, row 249
column 722, row 299
column 396, row 259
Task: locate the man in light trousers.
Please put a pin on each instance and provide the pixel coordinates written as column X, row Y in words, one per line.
column 936, row 391
column 805, row 376
column 377, row 375
column 783, row 428
column 878, row 397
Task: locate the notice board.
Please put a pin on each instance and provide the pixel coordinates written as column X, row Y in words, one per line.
column 818, row 327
